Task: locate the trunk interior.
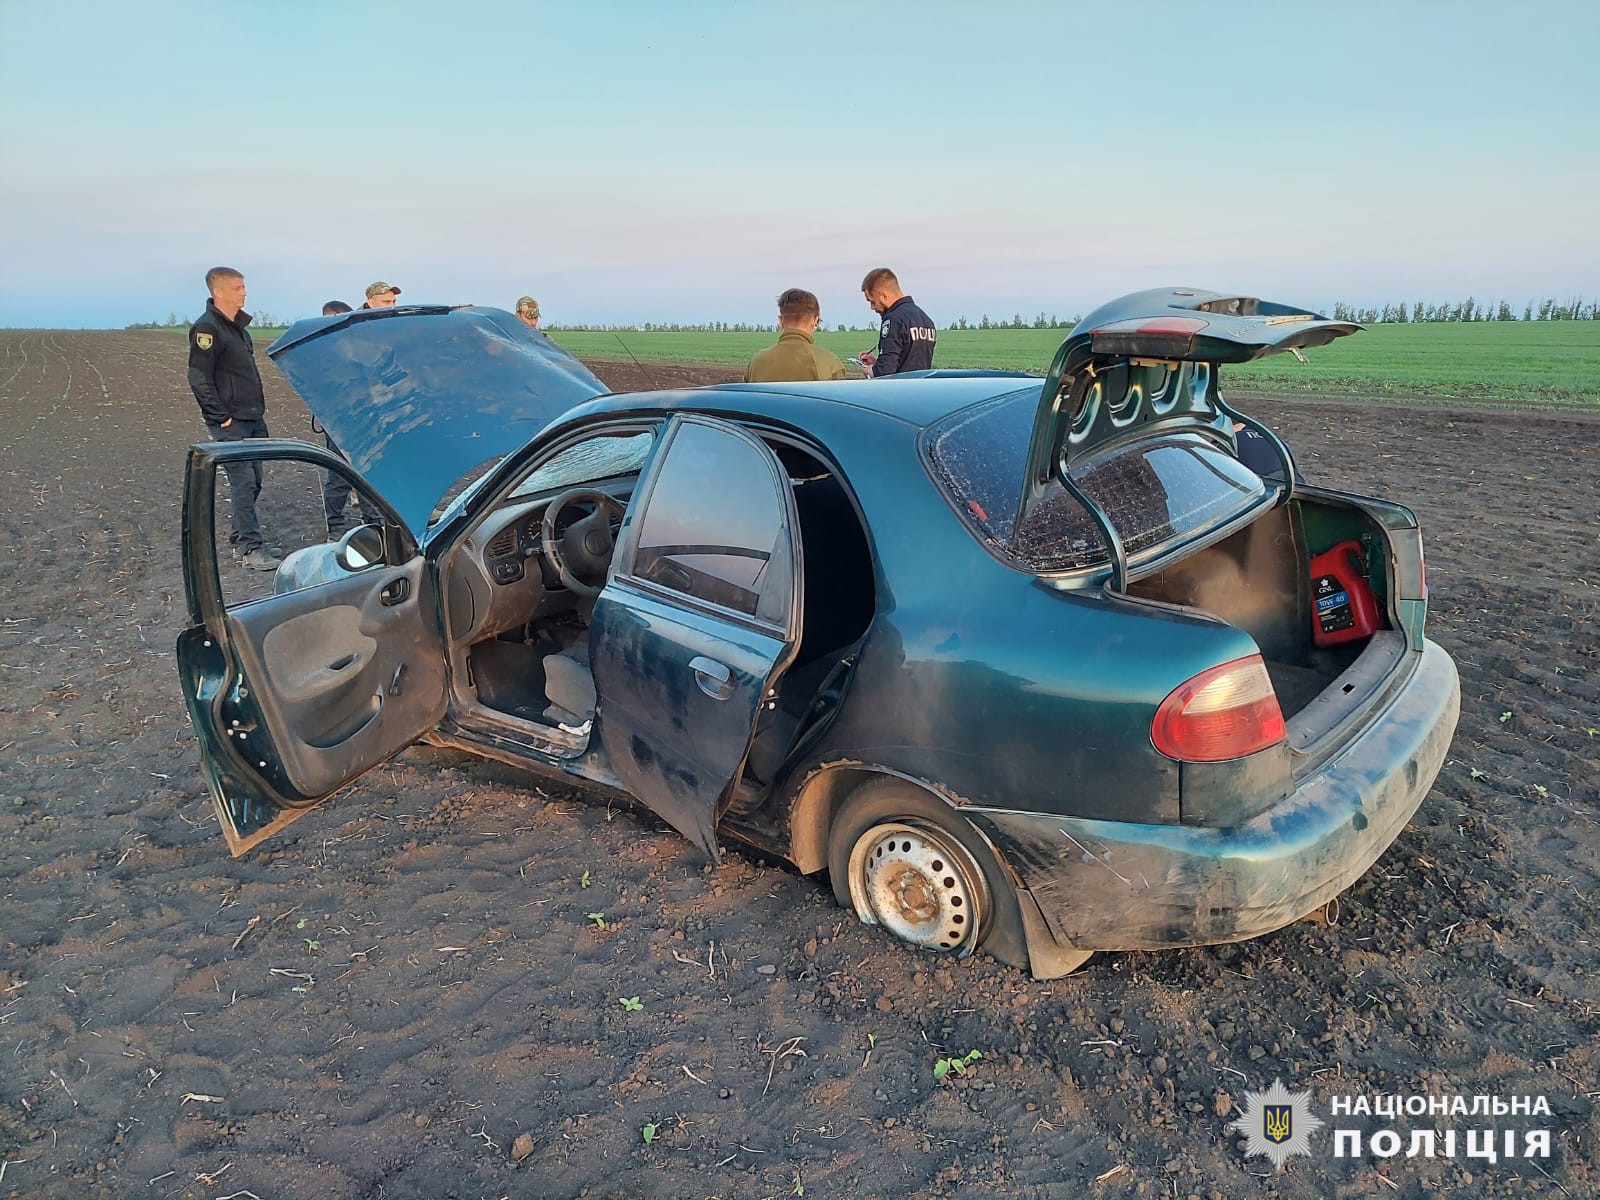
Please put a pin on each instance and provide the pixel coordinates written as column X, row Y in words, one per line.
column 1259, row 580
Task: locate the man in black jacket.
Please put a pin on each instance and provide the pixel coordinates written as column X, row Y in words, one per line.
column 906, row 335
column 225, row 382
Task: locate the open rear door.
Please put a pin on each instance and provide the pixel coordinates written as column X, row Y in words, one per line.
column 699, row 619
column 1146, row 365
column 297, row 693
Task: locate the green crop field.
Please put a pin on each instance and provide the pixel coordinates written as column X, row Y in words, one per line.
column 1500, row 363
column 1512, row 364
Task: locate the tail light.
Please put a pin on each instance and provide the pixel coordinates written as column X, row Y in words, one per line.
column 1227, row 712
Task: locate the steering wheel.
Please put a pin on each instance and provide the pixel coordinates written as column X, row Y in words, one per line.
column 587, row 545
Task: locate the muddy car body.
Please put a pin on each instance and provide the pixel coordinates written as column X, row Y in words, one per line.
column 1028, row 665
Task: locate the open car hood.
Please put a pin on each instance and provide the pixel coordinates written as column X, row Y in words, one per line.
column 418, row 396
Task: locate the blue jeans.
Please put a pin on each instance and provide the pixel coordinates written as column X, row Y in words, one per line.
column 244, row 483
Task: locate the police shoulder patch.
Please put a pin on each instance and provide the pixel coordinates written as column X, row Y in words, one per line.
column 203, row 340
column 884, row 328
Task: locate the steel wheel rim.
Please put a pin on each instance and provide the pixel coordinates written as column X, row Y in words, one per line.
column 919, row 883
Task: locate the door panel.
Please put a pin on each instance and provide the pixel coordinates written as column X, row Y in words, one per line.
column 345, row 680
column 679, row 695
column 700, row 617
column 296, row 693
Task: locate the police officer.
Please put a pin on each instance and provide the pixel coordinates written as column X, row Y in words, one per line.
column 225, row 382
column 906, row 335
column 796, row 356
column 1257, row 453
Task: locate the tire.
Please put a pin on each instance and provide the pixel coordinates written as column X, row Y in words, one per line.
column 901, row 858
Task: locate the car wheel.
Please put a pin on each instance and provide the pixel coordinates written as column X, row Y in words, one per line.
column 903, row 860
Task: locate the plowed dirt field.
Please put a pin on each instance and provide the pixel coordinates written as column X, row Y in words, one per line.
column 382, row 1002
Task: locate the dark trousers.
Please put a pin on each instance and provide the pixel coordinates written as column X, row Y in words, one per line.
column 336, row 491
column 244, row 483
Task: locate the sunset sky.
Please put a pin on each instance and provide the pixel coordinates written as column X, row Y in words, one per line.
column 652, row 161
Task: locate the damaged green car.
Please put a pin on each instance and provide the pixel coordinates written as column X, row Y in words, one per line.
column 1029, row 665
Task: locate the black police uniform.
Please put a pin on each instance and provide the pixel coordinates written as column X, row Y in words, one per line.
column 905, row 340
column 227, row 385
column 1257, row 453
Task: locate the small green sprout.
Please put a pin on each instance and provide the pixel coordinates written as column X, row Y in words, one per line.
column 1477, row 774
column 649, row 1132
column 799, row 1185
column 301, row 923
column 312, row 944
column 631, row 1003
column 959, row 1065
column 1504, row 717
column 1544, row 792
column 872, row 1041
column 583, row 880
column 599, row 919
column 1590, row 730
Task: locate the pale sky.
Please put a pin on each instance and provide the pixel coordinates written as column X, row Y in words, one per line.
column 687, row 161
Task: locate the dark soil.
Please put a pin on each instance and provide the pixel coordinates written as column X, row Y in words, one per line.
column 403, row 996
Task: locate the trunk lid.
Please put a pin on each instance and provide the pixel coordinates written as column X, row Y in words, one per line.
column 1145, row 367
column 417, row 396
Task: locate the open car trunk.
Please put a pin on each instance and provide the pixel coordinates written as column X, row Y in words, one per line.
column 1260, row 580
column 1125, row 472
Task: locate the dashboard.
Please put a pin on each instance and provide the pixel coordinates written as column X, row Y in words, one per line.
column 500, row 577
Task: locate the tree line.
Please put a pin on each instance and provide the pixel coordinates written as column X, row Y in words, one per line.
column 263, row 319
column 1470, row 309
column 1549, row 309
column 1042, row 321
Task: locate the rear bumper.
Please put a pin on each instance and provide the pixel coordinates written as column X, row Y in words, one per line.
column 1110, row 885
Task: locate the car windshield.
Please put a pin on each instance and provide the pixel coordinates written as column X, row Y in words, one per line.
column 1153, row 492
column 603, row 457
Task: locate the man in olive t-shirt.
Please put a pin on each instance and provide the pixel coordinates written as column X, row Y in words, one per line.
column 796, row 356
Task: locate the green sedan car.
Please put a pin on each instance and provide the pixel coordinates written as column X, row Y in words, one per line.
column 1032, row 665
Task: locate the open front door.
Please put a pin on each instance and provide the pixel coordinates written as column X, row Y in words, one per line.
column 300, row 680
column 700, row 617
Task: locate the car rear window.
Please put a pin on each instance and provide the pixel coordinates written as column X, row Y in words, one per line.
column 1154, row 492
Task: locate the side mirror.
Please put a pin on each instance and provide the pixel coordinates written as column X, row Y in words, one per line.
column 361, row 548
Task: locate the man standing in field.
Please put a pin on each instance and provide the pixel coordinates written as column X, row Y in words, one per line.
column 796, row 356
column 336, row 488
column 381, row 295
column 528, row 311
column 906, row 335
column 227, row 385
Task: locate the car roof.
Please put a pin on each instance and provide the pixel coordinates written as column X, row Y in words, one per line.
column 912, row 401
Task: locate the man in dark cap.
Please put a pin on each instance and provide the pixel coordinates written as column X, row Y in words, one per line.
column 796, row 355
column 233, row 404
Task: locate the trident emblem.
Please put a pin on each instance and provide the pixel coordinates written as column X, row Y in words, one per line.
column 1278, row 1122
